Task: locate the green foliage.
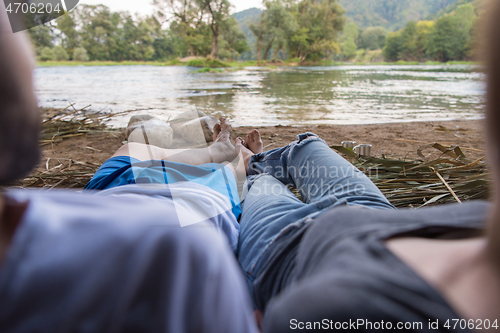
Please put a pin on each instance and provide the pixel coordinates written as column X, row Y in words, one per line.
column 60, row 53
column 42, row 37
column 373, row 38
column 392, row 14
column 450, row 37
column 393, row 46
column 196, row 63
column 209, row 63
column 47, row 54
column 349, row 48
column 244, row 19
column 215, row 63
column 319, row 25
column 208, row 70
column 80, row 54
column 351, row 31
column 203, row 28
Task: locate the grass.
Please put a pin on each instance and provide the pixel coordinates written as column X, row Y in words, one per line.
column 208, row 70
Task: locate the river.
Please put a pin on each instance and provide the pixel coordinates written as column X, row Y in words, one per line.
column 259, row 97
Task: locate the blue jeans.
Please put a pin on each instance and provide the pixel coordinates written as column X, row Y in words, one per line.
column 270, row 210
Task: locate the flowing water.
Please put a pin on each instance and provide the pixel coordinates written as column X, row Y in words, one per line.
column 256, row 97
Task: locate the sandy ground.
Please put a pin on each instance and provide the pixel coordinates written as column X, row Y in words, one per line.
column 397, row 140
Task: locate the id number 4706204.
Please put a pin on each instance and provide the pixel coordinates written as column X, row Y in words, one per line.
column 473, row 324
column 33, row 8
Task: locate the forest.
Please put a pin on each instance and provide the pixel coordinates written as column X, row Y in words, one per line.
column 307, row 31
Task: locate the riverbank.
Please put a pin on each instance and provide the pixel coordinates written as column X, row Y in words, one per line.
column 407, row 165
column 241, row 64
column 394, row 140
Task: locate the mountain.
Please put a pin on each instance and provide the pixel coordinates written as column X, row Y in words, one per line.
column 392, row 14
column 244, row 19
column 451, row 8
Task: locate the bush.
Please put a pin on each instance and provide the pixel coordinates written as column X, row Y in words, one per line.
column 196, row 63
column 60, row 53
column 216, row 63
column 80, row 54
column 47, row 54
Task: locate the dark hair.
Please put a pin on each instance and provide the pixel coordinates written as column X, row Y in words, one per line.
column 19, row 117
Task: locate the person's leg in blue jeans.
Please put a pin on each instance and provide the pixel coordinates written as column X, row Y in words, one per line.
column 323, row 178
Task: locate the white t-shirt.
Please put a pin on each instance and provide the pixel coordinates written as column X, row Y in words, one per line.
column 120, row 261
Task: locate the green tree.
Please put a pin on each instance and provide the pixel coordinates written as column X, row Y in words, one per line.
column 47, row 54
column 259, row 30
column 393, row 46
column 351, row 31
column 41, row 37
column 373, row 38
column 320, row 23
column 349, row 48
column 68, row 34
column 279, row 25
column 60, row 53
column 233, row 41
column 218, row 13
column 446, row 42
column 80, row 54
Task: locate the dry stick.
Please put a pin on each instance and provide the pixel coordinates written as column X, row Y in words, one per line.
column 446, row 184
column 474, row 163
column 446, row 143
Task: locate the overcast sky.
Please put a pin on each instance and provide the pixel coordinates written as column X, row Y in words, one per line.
column 144, row 7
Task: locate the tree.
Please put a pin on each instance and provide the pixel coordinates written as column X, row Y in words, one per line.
column 351, row 31
column 279, row 24
column 446, row 41
column 218, row 13
column 69, row 36
column 349, row 48
column 233, row 41
column 320, row 23
column 186, row 22
column 373, row 38
column 41, row 37
column 393, row 46
column 60, row 53
column 259, row 31
column 80, row 54
column 47, row 54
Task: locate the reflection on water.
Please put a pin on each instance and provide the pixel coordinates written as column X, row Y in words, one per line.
column 312, row 95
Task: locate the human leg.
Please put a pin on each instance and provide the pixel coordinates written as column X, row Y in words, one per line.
column 220, row 151
column 319, row 173
column 268, row 208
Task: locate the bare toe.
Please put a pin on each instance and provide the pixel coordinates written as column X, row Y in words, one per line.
column 254, row 141
column 225, row 130
column 217, row 130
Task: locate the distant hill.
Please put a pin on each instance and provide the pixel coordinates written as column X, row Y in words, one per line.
column 244, row 19
column 392, row 14
column 452, row 8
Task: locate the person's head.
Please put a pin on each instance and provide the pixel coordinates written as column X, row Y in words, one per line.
column 19, row 115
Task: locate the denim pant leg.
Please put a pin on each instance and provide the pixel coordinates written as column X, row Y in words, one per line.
column 319, row 173
column 268, row 208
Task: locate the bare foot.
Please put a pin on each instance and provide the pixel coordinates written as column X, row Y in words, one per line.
column 245, row 154
column 217, row 129
column 223, row 131
column 254, row 142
